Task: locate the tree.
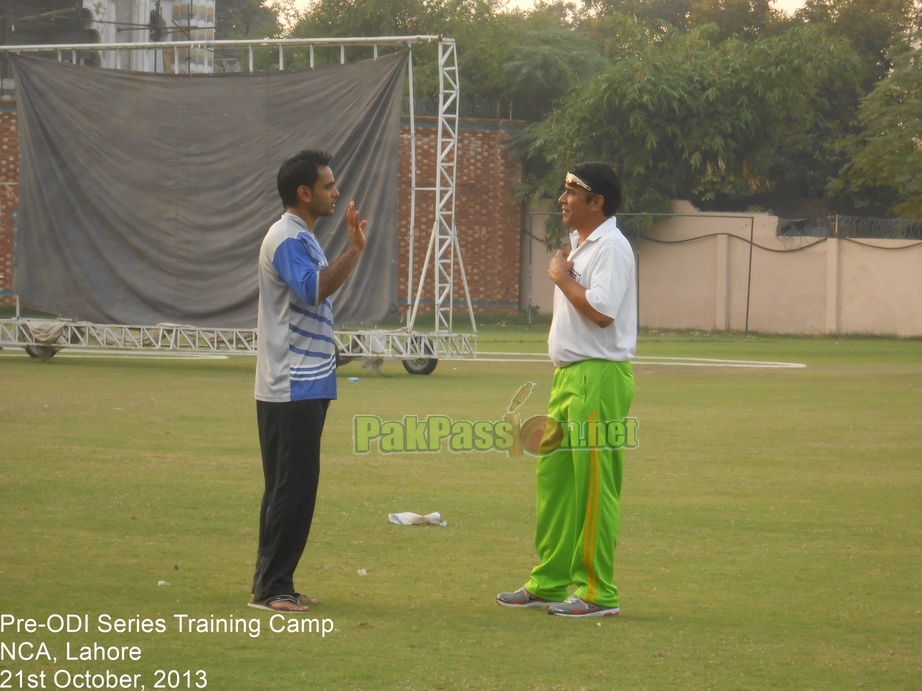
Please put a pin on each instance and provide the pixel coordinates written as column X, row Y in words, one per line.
column 661, row 14
column 485, row 36
column 552, row 14
column 547, row 65
column 872, row 26
column 888, row 152
column 747, row 20
column 687, row 118
column 240, row 19
column 334, row 18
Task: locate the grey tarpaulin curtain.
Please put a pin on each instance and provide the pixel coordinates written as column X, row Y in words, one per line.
column 144, row 198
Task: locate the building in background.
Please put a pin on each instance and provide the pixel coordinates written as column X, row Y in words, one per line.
column 57, row 22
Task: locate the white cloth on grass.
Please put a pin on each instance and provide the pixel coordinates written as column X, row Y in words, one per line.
column 408, row 518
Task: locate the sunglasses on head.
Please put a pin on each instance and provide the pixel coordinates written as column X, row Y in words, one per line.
column 573, row 180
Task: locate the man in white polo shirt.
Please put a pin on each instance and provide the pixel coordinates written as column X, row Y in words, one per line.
column 295, row 369
column 592, row 339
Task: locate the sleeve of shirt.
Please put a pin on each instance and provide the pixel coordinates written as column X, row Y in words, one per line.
column 298, row 270
column 609, row 281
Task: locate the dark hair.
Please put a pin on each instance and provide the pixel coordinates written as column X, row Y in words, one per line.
column 300, row 169
column 603, row 180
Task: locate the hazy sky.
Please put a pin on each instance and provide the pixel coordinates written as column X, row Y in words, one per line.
column 787, row 5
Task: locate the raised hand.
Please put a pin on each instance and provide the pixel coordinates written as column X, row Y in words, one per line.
column 356, row 227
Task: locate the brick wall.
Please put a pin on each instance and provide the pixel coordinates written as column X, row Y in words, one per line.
column 9, row 196
column 488, row 218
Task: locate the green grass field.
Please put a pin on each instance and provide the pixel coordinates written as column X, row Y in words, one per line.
column 771, row 533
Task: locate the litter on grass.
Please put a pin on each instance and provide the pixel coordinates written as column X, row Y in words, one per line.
column 408, row 518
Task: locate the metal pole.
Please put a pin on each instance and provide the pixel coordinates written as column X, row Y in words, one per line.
column 422, row 278
column 752, row 223
column 531, row 262
column 467, row 290
column 412, row 187
column 446, row 157
column 456, row 245
column 159, row 36
column 637, row 268
column 189, row 36
column 226, row 43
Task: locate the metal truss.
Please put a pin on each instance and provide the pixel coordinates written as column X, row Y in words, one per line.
column 443, row 243
column 444, row 249
column 53, row 335
column 406, row 346
column 60, row 334
column 72, row 52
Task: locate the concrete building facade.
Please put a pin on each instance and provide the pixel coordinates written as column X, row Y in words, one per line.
column 41, row 22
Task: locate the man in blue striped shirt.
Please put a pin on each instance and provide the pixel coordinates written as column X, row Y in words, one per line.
column 295, row 369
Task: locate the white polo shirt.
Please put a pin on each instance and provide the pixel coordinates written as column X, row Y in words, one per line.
column 604, row 265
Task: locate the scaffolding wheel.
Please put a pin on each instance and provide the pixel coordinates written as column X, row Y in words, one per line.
column 423, row 365
column 40, row 352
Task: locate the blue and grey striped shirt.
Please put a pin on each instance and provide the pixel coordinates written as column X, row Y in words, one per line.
column 296, row 356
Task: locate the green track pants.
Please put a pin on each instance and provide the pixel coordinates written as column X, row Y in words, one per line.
column 579, row 485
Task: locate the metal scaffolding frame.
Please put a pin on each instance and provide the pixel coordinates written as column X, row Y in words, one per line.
column 45, row 337
column 443, row 242
column 418, row 350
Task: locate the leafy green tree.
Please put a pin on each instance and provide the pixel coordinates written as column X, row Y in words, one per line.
column 240, row 19
column 485, row 36
column 872, row 26
column 547, row 65
column 243, row 19
column 688, row 118
column 548, row 15
column 661, row 14
column 715, row 100
column 747, row 20
column 545, row 68
column 888, row 152
column 335, row 18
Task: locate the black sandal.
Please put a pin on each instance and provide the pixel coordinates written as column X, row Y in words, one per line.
column 268, row 602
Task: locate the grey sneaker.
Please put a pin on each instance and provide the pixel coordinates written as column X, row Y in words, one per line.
column 522, row 598
column 577, row 607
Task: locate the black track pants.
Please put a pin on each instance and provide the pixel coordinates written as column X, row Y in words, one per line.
column 289, row 437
